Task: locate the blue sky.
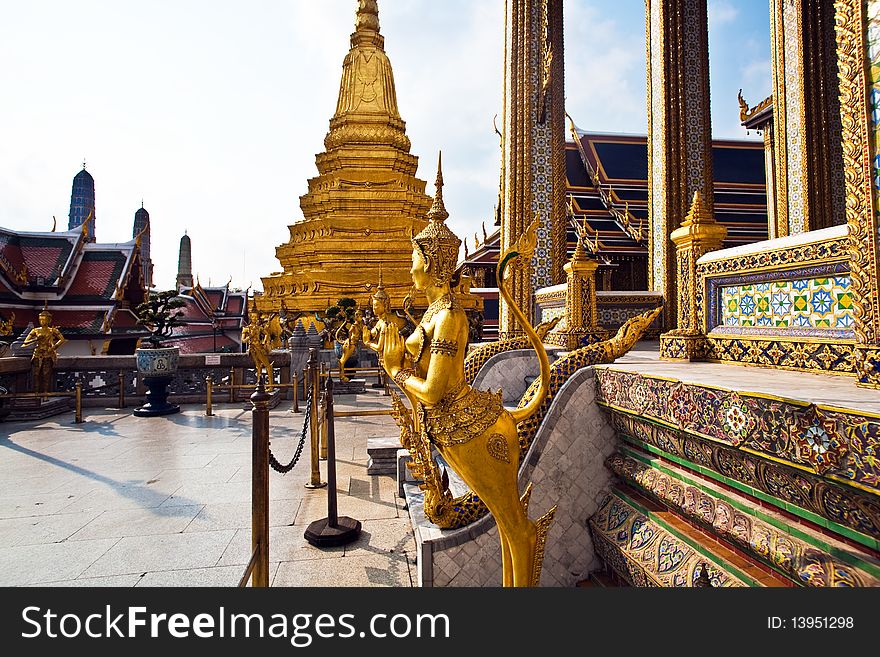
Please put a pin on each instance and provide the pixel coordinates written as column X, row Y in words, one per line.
column 213, row 111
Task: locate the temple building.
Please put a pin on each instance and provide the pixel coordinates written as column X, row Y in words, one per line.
column 211, row 320
column 740, row 451
column 361, row 210
column 184, row 263
column 82, row 203
column 141, row 228
column 606, row 178
column 91, row 289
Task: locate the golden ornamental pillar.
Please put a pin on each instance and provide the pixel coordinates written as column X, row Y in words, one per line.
column 698, row 235
column 809, row 181
column 679, row 130
column 860, row 144
column 581, row 314
column 533, row 144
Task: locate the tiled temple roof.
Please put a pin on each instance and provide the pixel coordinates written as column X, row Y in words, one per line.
column 620, row 163
column 84, row 284
column 206, row 310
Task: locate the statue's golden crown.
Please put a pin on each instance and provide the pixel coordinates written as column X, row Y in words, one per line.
column 439, row 244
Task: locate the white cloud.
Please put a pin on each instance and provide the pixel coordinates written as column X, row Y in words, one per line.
column 605, row 68
column 721, row 12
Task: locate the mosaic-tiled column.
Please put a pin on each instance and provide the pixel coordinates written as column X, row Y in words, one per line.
column 581, row 313
column 533, row 175
column 858, row 51
column 679, row 129
column 806, row 117
column 698, row 235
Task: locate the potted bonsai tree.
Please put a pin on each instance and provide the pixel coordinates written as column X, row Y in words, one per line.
column 156, row 363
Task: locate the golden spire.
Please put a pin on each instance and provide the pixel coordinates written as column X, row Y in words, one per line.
column 366, row 111
column 366, row 25
column 381, row 294
column 579, row 253
column 85, row 224
column 698, row 214
column 367, row 80
column 438, row 210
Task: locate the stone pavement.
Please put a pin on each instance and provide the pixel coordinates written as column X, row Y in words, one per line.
column 810, row 387
column 128, row 501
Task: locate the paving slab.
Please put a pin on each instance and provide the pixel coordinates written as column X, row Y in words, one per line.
column 140, row 554
column 218, row 576
column 369, row 570
column 138, row 522
column 50, row 562
column 37, row 530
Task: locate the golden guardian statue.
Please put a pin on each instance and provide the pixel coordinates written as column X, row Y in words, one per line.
column 349, row 344
column 470, row 428
column 46, row 340
column 385, row 319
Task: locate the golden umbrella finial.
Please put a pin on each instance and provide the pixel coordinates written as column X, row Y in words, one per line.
column 438, row 209
column 367, row 16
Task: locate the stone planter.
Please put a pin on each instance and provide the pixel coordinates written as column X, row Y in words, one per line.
column 157, row 362
column 157, row 367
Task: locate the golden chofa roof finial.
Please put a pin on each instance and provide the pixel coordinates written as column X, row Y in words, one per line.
column 366, row 24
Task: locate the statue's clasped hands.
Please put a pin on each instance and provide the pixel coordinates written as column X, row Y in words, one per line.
column 394, row 351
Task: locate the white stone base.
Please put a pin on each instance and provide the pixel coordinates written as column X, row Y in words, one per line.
column 566, row 466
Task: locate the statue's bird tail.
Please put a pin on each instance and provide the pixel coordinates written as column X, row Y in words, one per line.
column 522, row 249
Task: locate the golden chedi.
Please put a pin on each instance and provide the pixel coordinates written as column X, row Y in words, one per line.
column 366, row 203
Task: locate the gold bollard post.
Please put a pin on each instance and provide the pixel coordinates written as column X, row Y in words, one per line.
column 260, row 486
column 209, row 389
column 315, row 379
column 78, row 409
column 323, row 424
column 295, row 394
column 121, row 389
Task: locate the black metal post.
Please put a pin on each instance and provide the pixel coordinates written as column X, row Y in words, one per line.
column 332, row 530
column 332, row 519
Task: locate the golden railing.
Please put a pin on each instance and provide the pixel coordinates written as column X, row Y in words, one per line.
column 257, row 570
column 76, row 393
column 211, row 387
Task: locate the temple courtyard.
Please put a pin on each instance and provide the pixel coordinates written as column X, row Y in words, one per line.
column 130, row 501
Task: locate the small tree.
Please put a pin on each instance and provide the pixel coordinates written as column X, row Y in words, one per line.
column 159, row 315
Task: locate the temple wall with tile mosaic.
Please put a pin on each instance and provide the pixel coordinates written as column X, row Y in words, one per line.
column 787, row 308
column 807, row 303
column 806, row 557
column 646, row 554
column 822, row 460
column 552, row 312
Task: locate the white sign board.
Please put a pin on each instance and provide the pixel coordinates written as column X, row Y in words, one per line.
column 212, row 359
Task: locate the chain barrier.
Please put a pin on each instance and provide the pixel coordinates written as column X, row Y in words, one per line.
column 284, row 469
